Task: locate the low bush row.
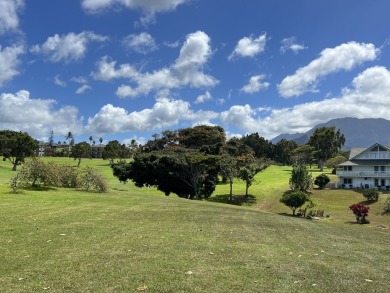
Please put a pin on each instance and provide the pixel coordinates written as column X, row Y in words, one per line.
column 36, row 173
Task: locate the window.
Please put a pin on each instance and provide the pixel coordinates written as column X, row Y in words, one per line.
column 347, row 168
column 347, row 180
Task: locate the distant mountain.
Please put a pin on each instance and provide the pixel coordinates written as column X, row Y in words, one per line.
column 357, row 132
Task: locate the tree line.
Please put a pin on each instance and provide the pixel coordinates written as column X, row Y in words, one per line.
column 190, row 161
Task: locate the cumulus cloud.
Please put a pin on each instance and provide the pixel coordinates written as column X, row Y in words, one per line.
column 149, row 8
column 291, row 44
column 368, row 97
column 9, row 63
column 67, row 48
column 165, row 113
column 203, row 98
column 343, row 57
column 185, row 71
column 38, row 117
column 255, row 85
column 142, row 43
column 249, row 46
column 9, row 18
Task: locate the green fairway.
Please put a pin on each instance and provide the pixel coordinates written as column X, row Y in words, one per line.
column 64, row 240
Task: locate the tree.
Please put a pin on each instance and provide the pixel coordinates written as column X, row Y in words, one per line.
column 327, row 142
column 51, row 138
column 16, row 146
column 333, row 162
column 303, row 154
column 301, row 179
column 283, row 151
column 69, row 137
column 208, row 138
column 247, row 173
column 101, row 140
column 294, row 199
column 321, row 180
column 188, row 174
column 229, row 169
column 90, row 139
column 81, row 150
column 260, row 146
column 114, row 150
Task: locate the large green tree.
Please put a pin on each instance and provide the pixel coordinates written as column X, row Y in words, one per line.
column 115, row 150
column 282, row 151
column 327, row 142
column 186, row 173
column 16, row 146
column 80, row 150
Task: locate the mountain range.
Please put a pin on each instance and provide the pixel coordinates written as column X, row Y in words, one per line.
column 357, row 132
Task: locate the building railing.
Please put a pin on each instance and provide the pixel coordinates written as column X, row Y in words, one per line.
column 363, row 173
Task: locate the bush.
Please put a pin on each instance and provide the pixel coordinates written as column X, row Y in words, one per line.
column 386, row 208
column 35, row 173
column 301, row 179
column 294, row 199
column 91, row 179
column 321, row 181
column 371, row 194
column 361, row 212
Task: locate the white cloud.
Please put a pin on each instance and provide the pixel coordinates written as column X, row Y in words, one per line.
column 9, row 19
column 79, row 79
column 67, row 48
column 149, row 8
column 9, row 63
column 367, row 98
column 58, row 81
column 142, row 43
column 249, row 46
column 38, row 117
column 186, row 70
column 291, row 44
column 343, row 57
column 203, row 98
column 83, row 89
column 165, row 113
column 255, row 85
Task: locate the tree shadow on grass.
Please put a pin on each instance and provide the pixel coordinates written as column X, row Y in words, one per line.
column 39, row 188
column 238, row 200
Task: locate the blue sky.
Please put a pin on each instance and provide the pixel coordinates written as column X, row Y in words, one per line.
column 125, row 69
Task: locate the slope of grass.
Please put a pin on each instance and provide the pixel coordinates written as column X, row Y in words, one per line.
column 63, row 240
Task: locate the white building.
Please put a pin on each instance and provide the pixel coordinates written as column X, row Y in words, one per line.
column 366, row 168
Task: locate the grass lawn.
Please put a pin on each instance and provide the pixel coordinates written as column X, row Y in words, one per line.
column 64, row 240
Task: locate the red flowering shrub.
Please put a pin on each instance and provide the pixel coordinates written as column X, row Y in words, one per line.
column 361, row 212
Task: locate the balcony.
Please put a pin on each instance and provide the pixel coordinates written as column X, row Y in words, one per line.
column 363, row 173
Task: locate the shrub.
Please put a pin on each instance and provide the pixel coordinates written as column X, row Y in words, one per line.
column 361, row 212
column 69, row 176
column 91, row 179
column 321, row 180
column 294, row 199
column 386, row 208
column 371, row 194
column 301, row 179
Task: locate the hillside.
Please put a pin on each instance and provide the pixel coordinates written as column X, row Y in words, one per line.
column 358, row 132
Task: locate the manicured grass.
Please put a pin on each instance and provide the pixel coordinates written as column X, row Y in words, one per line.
column 73, row 241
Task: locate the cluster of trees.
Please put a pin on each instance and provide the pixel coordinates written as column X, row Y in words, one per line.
column 189, row 162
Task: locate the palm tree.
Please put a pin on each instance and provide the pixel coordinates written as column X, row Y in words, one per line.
column 90, row 139
column 69, row 137
column 101, row 140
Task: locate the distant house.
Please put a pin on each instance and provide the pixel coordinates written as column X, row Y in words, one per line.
column 366, row 168
column 97, row 150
